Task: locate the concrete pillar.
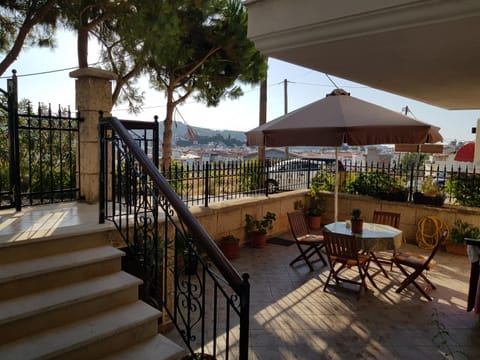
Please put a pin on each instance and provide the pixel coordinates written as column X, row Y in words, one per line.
column 93, row 89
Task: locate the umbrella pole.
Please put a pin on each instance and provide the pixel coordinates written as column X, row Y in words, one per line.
column 335, row 210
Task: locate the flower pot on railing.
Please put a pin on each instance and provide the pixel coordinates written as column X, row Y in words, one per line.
column 428, row 199
column 395, row 195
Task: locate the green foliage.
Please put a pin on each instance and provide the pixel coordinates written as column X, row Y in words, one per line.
column 251, row 176
column 260, row 226
column 323, row 180
column 462, row 230
column 316, row 204
column 430, row 187
column 465, row 188
column 176, row 177
column 373, row 183
column 35, row 19
column 48, row 156
column 194, row 48
column 414, row 160
column 356, row 213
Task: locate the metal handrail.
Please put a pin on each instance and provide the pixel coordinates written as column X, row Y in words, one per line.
column 138, row 192
column 194, row 226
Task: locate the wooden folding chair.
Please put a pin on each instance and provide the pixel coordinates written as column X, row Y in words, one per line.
column 343, row 250
column 308, row 244
column 386, row 218
column 419, row 263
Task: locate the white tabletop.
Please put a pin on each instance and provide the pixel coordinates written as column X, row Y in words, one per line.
column 375, row 237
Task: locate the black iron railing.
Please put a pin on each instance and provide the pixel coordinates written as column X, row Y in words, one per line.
column 39, row 153
column 206, row 183
column 185, row 274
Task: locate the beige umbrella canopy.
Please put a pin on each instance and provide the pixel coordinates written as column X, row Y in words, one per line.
column 341, row 119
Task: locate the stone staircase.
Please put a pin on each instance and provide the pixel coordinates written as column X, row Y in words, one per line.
column 66, row 297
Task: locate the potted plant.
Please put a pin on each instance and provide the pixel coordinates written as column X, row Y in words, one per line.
column 314, row 216
column 316, row 207
column 430, row 193
column 230, row 246
column 460, row 231
column 257, row 229
column 356, row 221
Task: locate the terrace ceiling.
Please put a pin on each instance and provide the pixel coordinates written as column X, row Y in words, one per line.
column 425, row 50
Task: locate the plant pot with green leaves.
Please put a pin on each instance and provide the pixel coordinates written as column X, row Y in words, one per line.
column 460, row 231
column 430, row 193
column 257, row 229
column 315, row 209
column 230, row 246
column 356, row 221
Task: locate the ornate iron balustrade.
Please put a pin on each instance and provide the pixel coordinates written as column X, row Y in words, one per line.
column 185, row 274
column 39, row 162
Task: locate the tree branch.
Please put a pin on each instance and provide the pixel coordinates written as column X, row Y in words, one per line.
column 27, row 26
column 196, row 66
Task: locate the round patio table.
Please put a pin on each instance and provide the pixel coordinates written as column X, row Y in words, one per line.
column 375, row 237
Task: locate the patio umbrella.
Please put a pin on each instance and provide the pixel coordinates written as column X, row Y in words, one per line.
column 341, row 119
column 465, row 153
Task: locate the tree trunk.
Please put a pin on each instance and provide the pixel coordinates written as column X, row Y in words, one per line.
column 167, row 131
column 82, row 47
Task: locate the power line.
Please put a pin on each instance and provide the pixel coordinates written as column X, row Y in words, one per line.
column 333, row 82
column 50, row 71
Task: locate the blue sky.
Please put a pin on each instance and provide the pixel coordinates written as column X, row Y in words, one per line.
column 304, row 87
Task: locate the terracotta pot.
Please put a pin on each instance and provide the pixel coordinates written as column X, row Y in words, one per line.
column 230, row 249
column 357, row 226
column 314, row 222
column 457, row 249
column 258, row 240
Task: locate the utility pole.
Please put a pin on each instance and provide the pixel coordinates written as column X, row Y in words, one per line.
column 285, row 109
column 262, row 117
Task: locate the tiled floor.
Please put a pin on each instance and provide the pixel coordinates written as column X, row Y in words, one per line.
column 293, row 318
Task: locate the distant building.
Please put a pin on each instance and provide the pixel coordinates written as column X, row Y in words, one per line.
column 272, row 154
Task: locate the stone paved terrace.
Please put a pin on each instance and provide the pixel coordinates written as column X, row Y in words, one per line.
column 293, row 318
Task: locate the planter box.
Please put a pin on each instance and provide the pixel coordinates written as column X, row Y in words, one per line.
column 420, row 198
column 457, row 249
column 400, row 196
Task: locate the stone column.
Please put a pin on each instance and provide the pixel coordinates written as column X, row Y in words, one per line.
column 93, row 89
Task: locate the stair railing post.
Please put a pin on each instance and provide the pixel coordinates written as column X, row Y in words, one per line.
column 12, row 89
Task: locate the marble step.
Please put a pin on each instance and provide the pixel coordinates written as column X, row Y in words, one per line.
column 27, row 315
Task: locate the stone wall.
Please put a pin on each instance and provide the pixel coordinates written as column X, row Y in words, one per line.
column 229, row 217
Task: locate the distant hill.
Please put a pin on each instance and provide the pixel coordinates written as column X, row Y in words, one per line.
column 204, row 135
